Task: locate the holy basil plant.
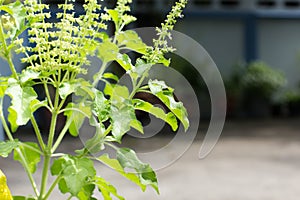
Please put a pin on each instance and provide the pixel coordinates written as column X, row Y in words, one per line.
column 56, row 55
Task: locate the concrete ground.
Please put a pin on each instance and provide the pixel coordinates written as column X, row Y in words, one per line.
column 253, row 160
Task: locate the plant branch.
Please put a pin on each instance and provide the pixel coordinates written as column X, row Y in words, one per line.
column 47, row 155
column 52, row 129
column 99, row 74
column 23, row 161
column 52, row 187
column 61, row 135
column 7, row 53
column 112, row 146
column 72, row 109
column 48, row 94
column 53, row 118
column 29, row 174
column 38, row 133
column 5, row 126
column 31, row 148
column 137, row 86
column 44, row 181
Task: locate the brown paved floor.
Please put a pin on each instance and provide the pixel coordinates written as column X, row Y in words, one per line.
column 262, row 164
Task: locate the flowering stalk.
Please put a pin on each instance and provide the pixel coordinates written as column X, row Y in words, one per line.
column 58, row 53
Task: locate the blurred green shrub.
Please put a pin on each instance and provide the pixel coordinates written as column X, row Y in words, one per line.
column 262, row 79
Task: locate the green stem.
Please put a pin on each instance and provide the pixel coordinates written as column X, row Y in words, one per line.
column 44, row 181
column 72, row 109
column 48, row 94
column 31, row 148
column 7, row 54
column 52, row 187
column 52, row 129
column 136, row 87
column 61, row 135
column 38, row 133
column 61, row 104
column 5, row 126
column 54, row 155
column 70, row 197
column 28, row 172
column 23, row 161
column 47, row 156
column 112, row 146
column 12, row 67
column 99, row 74
column 108, row 130
column 47, row 152
column 55, row 112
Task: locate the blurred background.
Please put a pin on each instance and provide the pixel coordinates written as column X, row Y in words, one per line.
column 256, row 47
column 254, row 44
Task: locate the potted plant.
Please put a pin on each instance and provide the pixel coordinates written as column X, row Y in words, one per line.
column 260, row 83
column 291, row 100
column 233, row 86
column 58, row 53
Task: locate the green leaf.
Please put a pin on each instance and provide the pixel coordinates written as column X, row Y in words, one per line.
column 36, row 104
column 79, row 86
column 76, row 173
column 128, row 159
column 120, row 95
column 28, row 75
column 22, row 198
column 110, row 76
column 121, row 119
column 114, row 15
column 18, row 12
column 86, row 192
column 65, row 89
column 2, row 53
column 131, row 40
column 109, row 88
column 30, row 152
column 96, row 143
column 3, row 86
column 162, row 60
column 157, row 86
column 165, row 94
column 108, row 51
column 77, row 113
column 58, row 166
column 7, row 147
column 121, row 111
column 125, row 61
column 19, row 111
column 127, row 19
column 115, row 165
column 83, row 88
column 101, row 106
column 137, row 125
column 156, row 111
column 140, row 69
column 107, row 189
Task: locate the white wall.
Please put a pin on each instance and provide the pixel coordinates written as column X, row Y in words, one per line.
column 278, row 43
column 279, row 46
column 222, row 39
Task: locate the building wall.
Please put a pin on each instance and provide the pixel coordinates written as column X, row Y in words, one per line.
column 279, row 46
column 222, row 39
column 219, row 25
column 278, row 43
